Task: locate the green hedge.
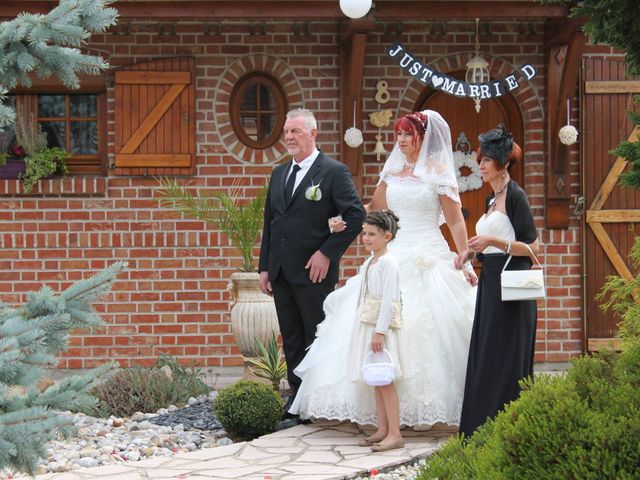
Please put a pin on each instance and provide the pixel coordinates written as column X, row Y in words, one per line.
column 585, row 425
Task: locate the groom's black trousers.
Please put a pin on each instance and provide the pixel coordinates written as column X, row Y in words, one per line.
column 299, row 309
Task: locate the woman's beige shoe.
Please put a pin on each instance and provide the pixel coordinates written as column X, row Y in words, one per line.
column 365, row 442
column 383, row 447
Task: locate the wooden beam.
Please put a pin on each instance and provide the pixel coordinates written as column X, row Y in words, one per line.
column 352, row 58
column 438, row 10
column 595, row 344
column 198, row 9
column 613, row 216
column 563, row 69
column 153, row 160
column 606, row 87
column 307, row 9
column 613, row 176
column 612, row 252
column 153, row 78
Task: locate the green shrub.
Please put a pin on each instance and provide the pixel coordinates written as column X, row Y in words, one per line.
column 585, row 425
column 187, row 379
column 147, row 389
column 248, row 409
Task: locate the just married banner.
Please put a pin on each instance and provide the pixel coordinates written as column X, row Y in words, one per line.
column 453, row 86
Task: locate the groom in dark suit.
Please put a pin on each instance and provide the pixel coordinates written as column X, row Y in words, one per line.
column 299, row 257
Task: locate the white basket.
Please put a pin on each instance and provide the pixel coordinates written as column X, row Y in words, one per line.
column 378, row 369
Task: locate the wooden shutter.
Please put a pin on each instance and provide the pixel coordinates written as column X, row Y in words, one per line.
column 155, row 117
column 613, row 212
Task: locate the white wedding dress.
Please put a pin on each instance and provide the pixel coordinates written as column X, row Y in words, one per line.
column 438, row 307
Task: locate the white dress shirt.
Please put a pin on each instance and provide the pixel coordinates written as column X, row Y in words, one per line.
column 304, row 165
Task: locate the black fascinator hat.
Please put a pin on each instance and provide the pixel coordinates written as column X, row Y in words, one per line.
column 496, row 144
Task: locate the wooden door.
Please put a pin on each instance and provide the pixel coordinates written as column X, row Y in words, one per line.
column 462, row 118
column 612, row 210
column 155, row 116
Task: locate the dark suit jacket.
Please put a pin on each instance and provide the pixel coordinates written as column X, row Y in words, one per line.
column 292, row 233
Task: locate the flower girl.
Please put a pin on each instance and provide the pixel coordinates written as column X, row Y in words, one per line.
column 376, row 333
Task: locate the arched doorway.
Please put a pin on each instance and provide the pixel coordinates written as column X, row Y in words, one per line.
column 462, row 118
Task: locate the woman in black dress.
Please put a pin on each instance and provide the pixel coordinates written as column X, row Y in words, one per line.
column 503, row 336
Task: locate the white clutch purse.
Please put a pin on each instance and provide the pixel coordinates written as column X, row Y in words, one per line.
column 522, row 284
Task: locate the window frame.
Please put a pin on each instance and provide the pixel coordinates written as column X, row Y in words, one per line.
column 88, row 86
column 237, row 96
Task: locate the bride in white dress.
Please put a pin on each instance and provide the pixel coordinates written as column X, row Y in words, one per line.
column 418, row 183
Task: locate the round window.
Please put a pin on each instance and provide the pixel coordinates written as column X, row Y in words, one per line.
column 258, row 109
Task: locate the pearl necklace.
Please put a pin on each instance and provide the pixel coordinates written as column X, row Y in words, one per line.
column 409, row 165
column 492, row 202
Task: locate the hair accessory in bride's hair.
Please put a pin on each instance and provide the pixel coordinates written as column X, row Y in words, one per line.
column 496, row 144
column 420, row 120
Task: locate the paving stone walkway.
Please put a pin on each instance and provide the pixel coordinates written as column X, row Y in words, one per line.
column 318, row 451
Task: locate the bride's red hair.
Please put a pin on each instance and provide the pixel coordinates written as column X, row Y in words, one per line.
column 414, row 123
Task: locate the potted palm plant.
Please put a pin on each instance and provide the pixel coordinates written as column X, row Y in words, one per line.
column 253, row 316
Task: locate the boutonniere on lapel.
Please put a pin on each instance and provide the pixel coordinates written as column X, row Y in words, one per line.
column 313, row 193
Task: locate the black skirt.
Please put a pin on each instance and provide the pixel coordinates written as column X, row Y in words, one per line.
column 502, row 346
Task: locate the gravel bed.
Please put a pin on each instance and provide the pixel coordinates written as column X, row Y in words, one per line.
column 101, row 441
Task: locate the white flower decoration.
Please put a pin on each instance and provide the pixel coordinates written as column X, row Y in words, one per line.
column 568, row 135
column 353, row 137
column 424, row 261
column 473, row 181
column 313, row 193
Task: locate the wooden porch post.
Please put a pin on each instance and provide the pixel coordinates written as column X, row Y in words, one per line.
column 564, row 54
column 353, row 43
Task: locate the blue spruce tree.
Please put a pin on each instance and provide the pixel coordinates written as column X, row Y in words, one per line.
column 50, row 45
column 30, row 338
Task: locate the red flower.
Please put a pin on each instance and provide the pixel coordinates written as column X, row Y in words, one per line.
column 17, row 151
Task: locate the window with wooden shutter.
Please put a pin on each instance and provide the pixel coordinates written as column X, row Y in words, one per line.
column 155, row 118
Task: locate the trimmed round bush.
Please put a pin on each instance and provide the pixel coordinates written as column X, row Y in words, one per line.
column 248, row 409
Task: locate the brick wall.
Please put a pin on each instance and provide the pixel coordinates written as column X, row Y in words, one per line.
column 174, row 297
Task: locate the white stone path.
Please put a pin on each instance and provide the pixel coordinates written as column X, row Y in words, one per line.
column 318, row 451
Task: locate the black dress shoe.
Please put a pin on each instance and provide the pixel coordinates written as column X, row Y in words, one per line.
column 288, row 415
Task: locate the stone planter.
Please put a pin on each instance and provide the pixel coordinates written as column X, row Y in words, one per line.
column 253, row 316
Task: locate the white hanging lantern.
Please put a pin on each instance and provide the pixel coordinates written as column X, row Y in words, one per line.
column 477, row 68
column 477, row 71
column 355, row 8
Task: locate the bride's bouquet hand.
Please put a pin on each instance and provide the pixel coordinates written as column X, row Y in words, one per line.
column 337, row 224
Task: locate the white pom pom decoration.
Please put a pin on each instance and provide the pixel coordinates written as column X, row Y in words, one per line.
column 568, row 135
column 353, row 137
column 355, row 8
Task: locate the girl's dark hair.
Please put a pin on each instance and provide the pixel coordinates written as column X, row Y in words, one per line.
column 498, row 145
column 385, row 220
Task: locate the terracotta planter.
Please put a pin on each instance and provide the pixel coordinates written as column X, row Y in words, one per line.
column 13, row 168
column 253, row 316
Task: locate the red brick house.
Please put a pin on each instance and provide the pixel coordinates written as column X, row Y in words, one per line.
column 198, row 89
